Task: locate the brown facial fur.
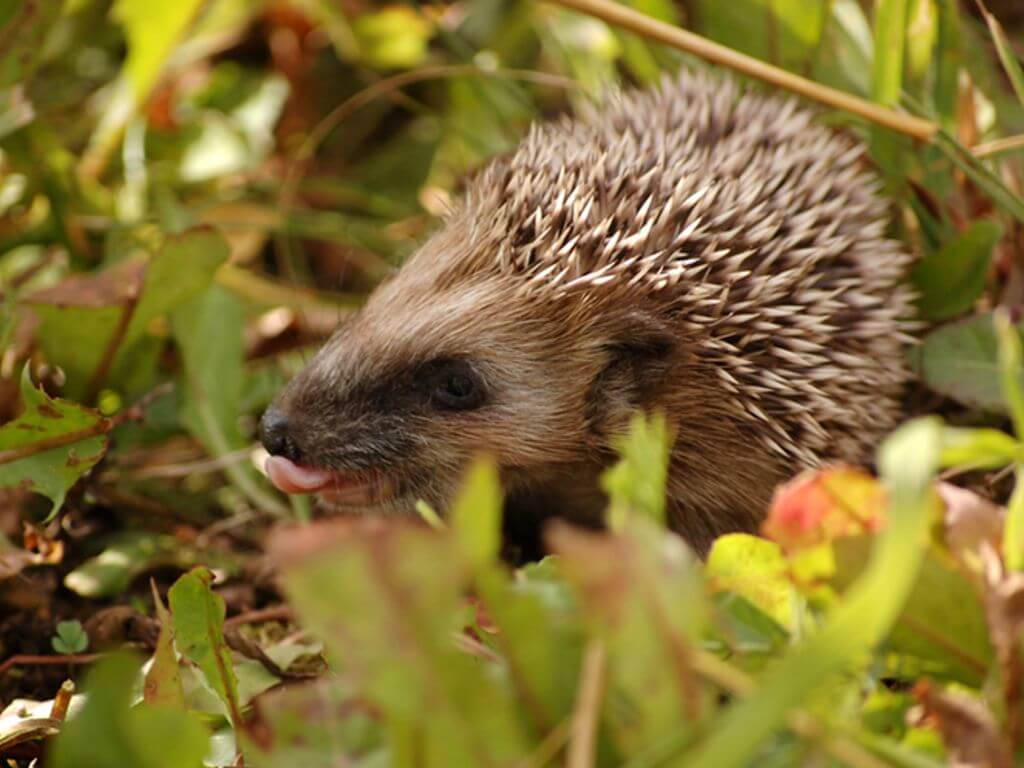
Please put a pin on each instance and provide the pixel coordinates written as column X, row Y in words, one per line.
column 709, row 254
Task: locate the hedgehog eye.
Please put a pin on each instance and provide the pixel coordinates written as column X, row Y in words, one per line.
column 455, row 386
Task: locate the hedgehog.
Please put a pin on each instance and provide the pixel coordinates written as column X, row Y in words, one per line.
column 698, row 249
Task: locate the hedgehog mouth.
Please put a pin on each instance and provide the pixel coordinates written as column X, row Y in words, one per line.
column 342, row 488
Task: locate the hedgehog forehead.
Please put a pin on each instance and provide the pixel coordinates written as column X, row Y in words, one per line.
column 412, row 324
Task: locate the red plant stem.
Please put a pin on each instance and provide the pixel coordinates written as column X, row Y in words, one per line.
column 30, row 659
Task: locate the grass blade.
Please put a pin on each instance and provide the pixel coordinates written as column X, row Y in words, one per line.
column 1007, row 56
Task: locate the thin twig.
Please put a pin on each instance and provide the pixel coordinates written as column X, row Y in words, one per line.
column 62, row 700
column 549, row 746
column 41, row 660
column 273, row 613
column 99, row 376
column 683, row 40
column 583, row 730
column 190, row 468
column 469, row 644
column 998, row 146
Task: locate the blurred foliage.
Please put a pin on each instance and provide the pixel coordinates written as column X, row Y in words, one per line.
column 193, row 194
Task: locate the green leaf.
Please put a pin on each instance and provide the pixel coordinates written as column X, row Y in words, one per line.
column 199, row 634
column 1011, row 373
column 743, row 628
column 979, row 448
column 960, row 361
column 784, row 32
column 843, row 59
column 890, row 35
column 386, row 601
column 393, row 37
column 642, row 595
column 978, row 172
column 151, row 28
column 106, row 732
column 907, row 461
column 183, row 268
column 922, row 33
column 636, row 485
column 123, row 558
column 756, row 569
column 1011, row 369
column 941, row 624
column 476, row 514
column 163, row 680
column 80, row 317
column 70, row 637
column 1013, row 531
column 948, row 60
column 209, row 331
column 949, row 281
column 541, row 643
column 647, row 62
column 890, row 38
column 44, row 421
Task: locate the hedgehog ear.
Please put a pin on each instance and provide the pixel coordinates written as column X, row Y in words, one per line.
column 639, row 355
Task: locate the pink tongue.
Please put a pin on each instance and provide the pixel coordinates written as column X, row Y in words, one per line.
column 289, row 477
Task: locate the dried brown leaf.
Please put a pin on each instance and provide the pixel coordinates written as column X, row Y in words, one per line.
column 969, row 730
column 970, row 521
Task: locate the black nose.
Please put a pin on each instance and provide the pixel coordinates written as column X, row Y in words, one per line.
column 275, row 434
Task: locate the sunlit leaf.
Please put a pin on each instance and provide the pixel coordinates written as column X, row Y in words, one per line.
column 979, row 448
column 396, row 36
column 756, row 569
column 82, row 316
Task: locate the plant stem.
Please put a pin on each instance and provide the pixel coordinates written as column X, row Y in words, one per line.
column 583, row 728
column 683, row 40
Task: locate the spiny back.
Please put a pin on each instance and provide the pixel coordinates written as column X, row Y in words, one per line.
column 761, row 233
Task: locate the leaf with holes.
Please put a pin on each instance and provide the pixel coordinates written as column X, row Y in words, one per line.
column 51, row 445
